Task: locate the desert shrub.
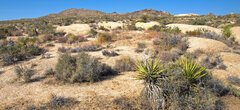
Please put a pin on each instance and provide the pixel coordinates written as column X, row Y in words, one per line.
column 102, row 28
column 167, row 56
column 87, row 69
column 169, row 41
column 49, row 72
column 65, row 67
column 62, row 49
column 110, row 54
column 124, row 64
column 82, row 68
column 234, row 80
column 93, row 32
column 58, row 102
column 59, row 34
column 197, row 32
column 174, row 30
column 212, row 35
column 73, row 38
column 238, row 22
column 195, row 54
column 217, row 87
column 62, row 39
column 20, row 51
column 144, row 19
column 198, row 21
column 140, row 47
column 85, row 48
column 132, row 26
column 212, row 62
column 104, row 37
column 227, row 32
column 24, row 73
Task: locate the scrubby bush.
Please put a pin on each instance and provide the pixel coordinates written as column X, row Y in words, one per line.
column 132, row 26
column 82, row 68
column 124, row 64
column 194, row 33
column 110, row 54
column 234, row 80
column 227, row 32
column 167, row 56
column 140, row 47
column 19, row 51
column 87, row 69
column 65, row 67
column 217, row 87
column 62, row 39
column 93, row 32
column 170, row 41
column 104, row 37
column 198, row 21
column 24, row 73
column 73, row 38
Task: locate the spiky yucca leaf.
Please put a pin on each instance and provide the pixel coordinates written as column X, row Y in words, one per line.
column 149, row 70
column 191, row 72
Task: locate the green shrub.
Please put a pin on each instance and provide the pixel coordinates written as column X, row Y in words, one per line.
column 87, row 69
column 93, row 32
column 198, row 21
column 24, row 73
column 102, row 28
column 10, row 54
column 82, row 68
column 132, row 26
column 227, row 32
column 65, row 67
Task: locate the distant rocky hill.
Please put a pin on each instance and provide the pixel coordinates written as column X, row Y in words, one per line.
column 93, row 13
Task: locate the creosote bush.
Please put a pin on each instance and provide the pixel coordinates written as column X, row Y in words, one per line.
column 82, row 68
column 22, row 50
column 104, row 37
column 24, row 73
column 124, row 64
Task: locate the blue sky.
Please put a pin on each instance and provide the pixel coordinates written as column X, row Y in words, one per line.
column 16, row 9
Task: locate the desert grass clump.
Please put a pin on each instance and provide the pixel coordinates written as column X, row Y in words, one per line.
column 24, row 73
column 125, row 64
column 104, row 37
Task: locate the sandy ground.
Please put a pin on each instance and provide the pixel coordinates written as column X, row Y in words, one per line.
column 111, row 25
column 76, row 29
column 208, row 45
column 146, row 25
column 236, row 32
column 232, row 61
column 185, row 27
column 38, row 91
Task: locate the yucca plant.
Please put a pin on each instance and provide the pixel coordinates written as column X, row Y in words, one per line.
column 191, row 71
column 149, row 70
